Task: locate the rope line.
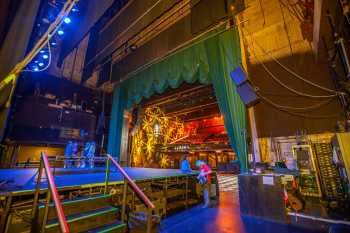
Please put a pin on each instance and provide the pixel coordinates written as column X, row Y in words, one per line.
column 282, row 83
column 308, row 108
column 278, row 107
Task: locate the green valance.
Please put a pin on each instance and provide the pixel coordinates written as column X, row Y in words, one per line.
column 189, row 65
column 208, row 61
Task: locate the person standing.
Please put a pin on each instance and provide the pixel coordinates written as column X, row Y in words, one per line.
column 204, row 179
column 185, row 164
column 68, row 154
column 91, row 154
column 75, row 148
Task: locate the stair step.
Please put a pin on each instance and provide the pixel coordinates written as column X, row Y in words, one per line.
column 77, row 205
column 85, row 221
column 115, row 227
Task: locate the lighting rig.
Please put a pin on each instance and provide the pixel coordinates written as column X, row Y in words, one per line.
column 50, row 11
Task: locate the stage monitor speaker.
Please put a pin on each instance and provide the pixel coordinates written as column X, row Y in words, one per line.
column 244, row 88
column 247, row 94
column 238, row 76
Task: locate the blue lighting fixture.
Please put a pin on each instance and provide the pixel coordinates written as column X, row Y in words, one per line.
column 41, row 64
column 42, row 51
column 67, row 20
column 45, row 56
column 60, row 32
column 75, row 9
column 36, row 62
column 53, row 43
column 35, row 68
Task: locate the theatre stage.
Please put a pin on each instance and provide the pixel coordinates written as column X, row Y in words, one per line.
column 23, row 180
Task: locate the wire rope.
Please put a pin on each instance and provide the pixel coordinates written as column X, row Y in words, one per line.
column 287, row 68
column 278, row 107
column 282, row 83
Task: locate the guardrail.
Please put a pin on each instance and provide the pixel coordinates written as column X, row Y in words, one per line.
column 44, row 164
column 129, row 182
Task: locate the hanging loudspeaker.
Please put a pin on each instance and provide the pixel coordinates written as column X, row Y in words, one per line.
column 244, row 88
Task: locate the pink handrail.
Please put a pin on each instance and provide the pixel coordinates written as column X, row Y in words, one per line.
column 61, row 217
column 132, row 184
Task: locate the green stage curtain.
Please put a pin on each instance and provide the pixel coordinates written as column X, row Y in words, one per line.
column 116, row 122
column 224, row 56
column 209, row 60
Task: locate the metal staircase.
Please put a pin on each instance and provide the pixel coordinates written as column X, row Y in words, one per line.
column 97, row 213
column 91, row 214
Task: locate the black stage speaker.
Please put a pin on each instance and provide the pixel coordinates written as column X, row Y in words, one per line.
column 244, row 88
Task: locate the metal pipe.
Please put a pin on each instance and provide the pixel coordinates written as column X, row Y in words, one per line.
column 37, row 190
column 52, row 186
column 4, row 218
column 108, row 171
column 125, row 190
column 318, row 218
column 132, row 184
column 149, row 221
column 46, row 211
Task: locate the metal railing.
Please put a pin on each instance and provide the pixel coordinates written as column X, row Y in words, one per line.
column 52, row 190
column 129, row 182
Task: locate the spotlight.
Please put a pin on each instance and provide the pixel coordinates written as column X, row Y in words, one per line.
column 36, row 62
column 67, row 20
column 42, row 51
column 75, row 9
column 45, row 56
column 41, row 64
column 35, row 68
column 53, row 43
column 60, row 32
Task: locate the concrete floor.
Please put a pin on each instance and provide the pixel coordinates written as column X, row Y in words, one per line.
column 224, row 218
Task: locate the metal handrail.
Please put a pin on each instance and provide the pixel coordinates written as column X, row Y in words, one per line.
column 60, row 213
column 132, row 184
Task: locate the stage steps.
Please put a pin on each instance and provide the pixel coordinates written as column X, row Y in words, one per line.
column 77, row 205
column 85, row 214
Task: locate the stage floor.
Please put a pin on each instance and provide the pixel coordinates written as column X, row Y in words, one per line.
column 24, row 179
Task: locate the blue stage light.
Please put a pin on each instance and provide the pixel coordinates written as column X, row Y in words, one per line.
column 45, row 56
column 41, row 64
column 36, row 62
column 75, row 9
column 42, row 51
column 60, row 32
column 53, row 43
column 67, row 20
column 35, row 68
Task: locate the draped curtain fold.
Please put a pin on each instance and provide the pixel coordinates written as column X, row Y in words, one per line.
column 207, row 61
column 226, row 56
column 116, row 122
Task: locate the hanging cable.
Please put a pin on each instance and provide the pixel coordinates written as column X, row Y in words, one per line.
column 49, row 62
column 292, row 89
column 308, row 108
column 53, row 28
column 291, row 71
column 278, row 107
column 282, row 83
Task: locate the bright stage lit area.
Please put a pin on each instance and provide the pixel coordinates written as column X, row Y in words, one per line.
column 174, row 116
column 95, row 199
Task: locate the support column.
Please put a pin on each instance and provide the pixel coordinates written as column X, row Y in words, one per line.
column 251, row 113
